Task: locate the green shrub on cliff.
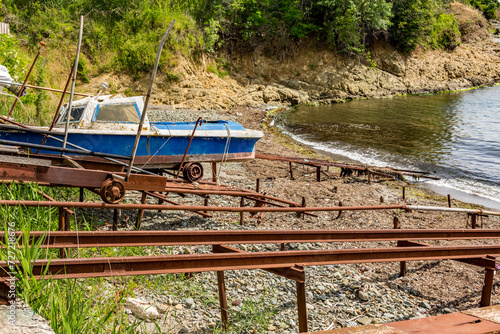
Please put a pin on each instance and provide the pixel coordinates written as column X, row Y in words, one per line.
column 423, row 22
column 488, row 7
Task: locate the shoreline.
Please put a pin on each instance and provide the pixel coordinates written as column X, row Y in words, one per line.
column 459, row 189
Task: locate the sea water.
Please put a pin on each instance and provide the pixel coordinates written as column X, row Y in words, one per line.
column 453, row 136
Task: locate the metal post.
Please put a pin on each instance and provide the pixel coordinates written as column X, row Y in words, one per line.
column 42, row 44
column 473, row 221
column 242, row 217
column 257, row 186
column 402, row 268
column 303, row 205
column 60, row 101
column 402, row 264
column 67, row 219
column 318, row 173
column 146, row 102
column 222, row 300
column 62, row 227
column 396, row 223
column 81, row 195
column 404, row 193
column 205, row 202
column 200, row 122
column 449, row 201
column 301, row 306
column 291, row 171
column 488, row 287
column 214, row 172
column 73, row 81
column 141, row 212
column 115, row 219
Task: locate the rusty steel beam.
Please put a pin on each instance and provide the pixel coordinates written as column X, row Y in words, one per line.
column 136, row 184
column 74, row 177
column 72, row 239
column 193, row 207
column 484, row 262
column 294, row 273
column 227, row 192
column 319, row 162
column 163, row 198
column 167, row 264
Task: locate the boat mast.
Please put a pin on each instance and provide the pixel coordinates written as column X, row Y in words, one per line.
column 146, row 102
column 75, row 69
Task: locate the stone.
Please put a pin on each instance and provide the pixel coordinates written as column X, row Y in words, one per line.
column 179, row 307
column 189, row 301
column 365, row 321
column 389, row 316
column 142, row 309
column 363, row 296
column 424, row 305
column 236, row 303
column 309, row 306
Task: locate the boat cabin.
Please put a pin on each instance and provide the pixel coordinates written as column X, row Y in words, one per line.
column 108, row 112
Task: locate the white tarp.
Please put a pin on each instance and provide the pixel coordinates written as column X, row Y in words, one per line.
column 5, row 78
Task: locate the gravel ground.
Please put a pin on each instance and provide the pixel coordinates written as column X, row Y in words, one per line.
column 337, row 295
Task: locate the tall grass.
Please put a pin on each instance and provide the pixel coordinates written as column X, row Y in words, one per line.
column 70, row 306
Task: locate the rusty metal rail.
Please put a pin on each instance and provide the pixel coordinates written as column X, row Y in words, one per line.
column 149, row 265
column 237, row 209
column 82, row 239
column 318, row 163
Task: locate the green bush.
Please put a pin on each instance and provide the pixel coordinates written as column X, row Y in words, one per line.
column 488, row 7
column 10, row 57
column 445, row 33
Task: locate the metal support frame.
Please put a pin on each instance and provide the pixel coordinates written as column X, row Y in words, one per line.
column 487, row 262
column 83, row 239
column 140, row 213
column 222, row 300
column 295, row 273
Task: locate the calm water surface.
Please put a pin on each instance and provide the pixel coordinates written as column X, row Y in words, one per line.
column 454, row 136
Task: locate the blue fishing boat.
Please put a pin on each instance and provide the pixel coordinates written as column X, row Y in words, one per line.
column 108, row 125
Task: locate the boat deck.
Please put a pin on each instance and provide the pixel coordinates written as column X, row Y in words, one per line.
column 475, row 321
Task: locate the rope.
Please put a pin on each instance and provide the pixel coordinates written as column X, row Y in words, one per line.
column 226, row 151
column 170, row 136
column 22, row 105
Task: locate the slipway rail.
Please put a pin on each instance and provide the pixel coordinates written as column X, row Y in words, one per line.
column 95, row 205
column 346, row 169
column 289, row 264
column 83, row 239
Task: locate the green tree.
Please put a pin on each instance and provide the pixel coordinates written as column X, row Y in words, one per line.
column 422, row 22
column 488, row 7
column 347, row 22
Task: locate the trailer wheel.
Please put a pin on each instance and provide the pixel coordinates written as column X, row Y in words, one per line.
column 192, row 171
column 112, row 191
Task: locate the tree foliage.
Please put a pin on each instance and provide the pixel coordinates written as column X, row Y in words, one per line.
column 488, row 7
column 130, row 29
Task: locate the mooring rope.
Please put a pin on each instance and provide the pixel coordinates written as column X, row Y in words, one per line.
column 170, row 136
column 226, row 151
column 22, row 105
